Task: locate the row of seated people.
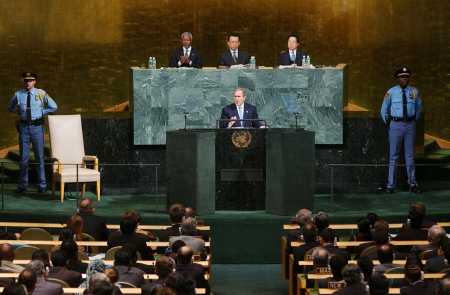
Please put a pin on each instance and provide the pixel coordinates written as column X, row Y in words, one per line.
column 86, row 225
column 318, row 243
column 66, row 268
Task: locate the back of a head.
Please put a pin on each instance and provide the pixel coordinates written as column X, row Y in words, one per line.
column 337, row 263
column 364, row 226
column 189, row 212
column 132, row 214
column 122, row 257
column 163, row 291
column 321, row 221
column 70, row 249
column 59, row 258
column 75, row 223
column 41, row 255
column 184, row 255
column 128, row 226
column 181, row 284
column 309, row 232
column 6, row 252
column 381, row 225
column 413, row 273
column 366, row 265
column 320, row 257
column 176, row 213
column 132, row 250
column 303, row 216
column 164, row 266
column 379, row 285
column 380, row 236
column 418, row 209
column 385, row 253
column 351, row 274
column 86, row 206
column 327, row 235
column 416, row 215
column 372, row 218
column 189, row 226
column 37, row 267
column 27, row 278
column 413, row 259
column 66, row 234
column 177, row 245
column 15, row 289
column 435, row 235
column 99, row 285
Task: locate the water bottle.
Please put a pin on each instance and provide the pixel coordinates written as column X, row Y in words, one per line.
column 304, row 60
column 308, row 60
column 150, row 62
column 154, row 63
column 252, row 62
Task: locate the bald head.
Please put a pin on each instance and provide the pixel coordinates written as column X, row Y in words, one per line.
column 184, row 255
column 303, row 216
column 435, row 234
column 189, row 212
column 6, row 252
column 86, row 205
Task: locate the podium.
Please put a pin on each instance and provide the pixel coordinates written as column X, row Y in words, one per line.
column 241, row 169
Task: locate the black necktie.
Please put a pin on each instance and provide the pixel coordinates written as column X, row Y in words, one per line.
column 405, row 104
column 29, row 107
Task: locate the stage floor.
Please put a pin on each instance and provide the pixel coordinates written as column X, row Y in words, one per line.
column 235, row 234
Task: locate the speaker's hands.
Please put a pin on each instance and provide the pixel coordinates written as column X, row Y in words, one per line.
column 232, row 122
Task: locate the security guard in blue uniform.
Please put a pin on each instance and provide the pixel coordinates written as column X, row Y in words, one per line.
column 401, row 109
column 31, row 104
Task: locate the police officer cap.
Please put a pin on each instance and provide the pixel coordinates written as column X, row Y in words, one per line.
column 403, row 72
column 29, row 76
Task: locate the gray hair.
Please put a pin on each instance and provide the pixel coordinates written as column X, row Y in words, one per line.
column 435, row 234
column 186, row 34
column 303, row 216
column 38, row 267
column 189, row 226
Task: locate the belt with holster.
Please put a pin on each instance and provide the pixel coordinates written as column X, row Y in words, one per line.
column 36, row 122
column 401, row 119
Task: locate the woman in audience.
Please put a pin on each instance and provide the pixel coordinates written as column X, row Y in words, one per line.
column 70, row 249
column 94, row 267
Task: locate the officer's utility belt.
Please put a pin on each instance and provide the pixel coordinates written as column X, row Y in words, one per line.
column 36, row 122
column 401, row 119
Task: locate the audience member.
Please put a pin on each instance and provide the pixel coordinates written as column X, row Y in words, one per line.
column 28, row 279
column 70, row 249
column 327, row 240
column 164, row 267
column 416, row 284
column 123, row 262
column 366, row 266
column 15, row 289
column 176, row 214
column 93, row 224
column 181, row 284
column 192, row 270
column 188, row 235
column 353, row 279
column 61, row 272
column 6, row 263
column 42, row 286
column 379, row 285
column 385, row 254
column 321, row 221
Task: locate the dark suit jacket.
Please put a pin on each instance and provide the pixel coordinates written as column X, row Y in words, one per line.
column 132, row 275
column 194, row 56
column 44, row 287
column 419, row 288
column 139, row 241
column 72, row 278
column 284, row 58
column 196, row 273
column 357, row 289
column 95, row 226
column 250, row 112
column 227, row 60
column 172, row 231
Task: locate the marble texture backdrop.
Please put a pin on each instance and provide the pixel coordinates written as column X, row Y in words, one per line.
column 162, row 97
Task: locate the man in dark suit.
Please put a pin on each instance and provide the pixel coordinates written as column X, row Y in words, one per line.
column 127, row 235
column 353, row 279
column 239, row 110
column 176, row 214
column 43, row 287
column 292, row 56
column 194, row 271
column 186, row 55
column 127, row 272
column 92, row 224
column 233, row 56
column 417, row 286
column 61, row 272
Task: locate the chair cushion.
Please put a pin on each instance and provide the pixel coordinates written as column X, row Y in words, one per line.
column 69, row 174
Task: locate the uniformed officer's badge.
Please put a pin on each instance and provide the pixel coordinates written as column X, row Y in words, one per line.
column 413, row 94
column 241, row 139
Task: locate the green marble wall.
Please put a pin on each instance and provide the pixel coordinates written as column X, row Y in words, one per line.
column 162, row 97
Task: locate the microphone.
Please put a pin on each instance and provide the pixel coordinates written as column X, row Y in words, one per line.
column 296, row 114
column 186, row 114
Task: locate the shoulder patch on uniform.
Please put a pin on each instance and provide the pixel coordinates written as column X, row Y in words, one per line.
column 40, row 94
column 414, row 93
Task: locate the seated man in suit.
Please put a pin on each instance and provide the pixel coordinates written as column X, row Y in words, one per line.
column 239, row 110
column 93, row 225
column 189, row 236
column 61, row 272
column 123, row 262
column 233, row 56
column 43, row 286
column 353, row 279
column 176, row 215
column 292, row 56
column 186, row 55
column 191, row 270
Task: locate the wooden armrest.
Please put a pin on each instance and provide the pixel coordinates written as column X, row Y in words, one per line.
column 91, row 158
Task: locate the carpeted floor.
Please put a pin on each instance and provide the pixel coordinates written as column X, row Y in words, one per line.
column 248, row 279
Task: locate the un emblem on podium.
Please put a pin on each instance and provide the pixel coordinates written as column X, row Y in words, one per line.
column 241, row 138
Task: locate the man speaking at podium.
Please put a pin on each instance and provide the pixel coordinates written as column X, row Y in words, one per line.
column 240, row 110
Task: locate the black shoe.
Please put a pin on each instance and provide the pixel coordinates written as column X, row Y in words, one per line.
column 415, row 189
column 42, row 190
column 390, row 190
column 21, row 190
